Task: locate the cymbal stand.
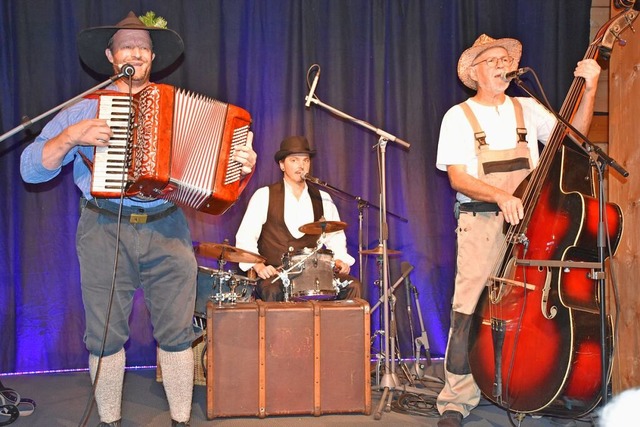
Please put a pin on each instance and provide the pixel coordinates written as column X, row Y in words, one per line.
column 380, row 355
column 392, row 300
column 219, row 297
column 361, row 205
column 225, row 277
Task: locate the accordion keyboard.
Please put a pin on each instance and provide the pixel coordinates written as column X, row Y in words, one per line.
column 110, row 168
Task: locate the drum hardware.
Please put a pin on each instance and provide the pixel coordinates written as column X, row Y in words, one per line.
column 232, row 297
column 283, row 273
column 322, row 227
column 378, row 251
column 297, row 268
column 341, row 284
column 362, row 204
column 308, row 274
column 417, row 370
column 388, row 333
column 221, row 287
column 228, row 281
column 315, row 279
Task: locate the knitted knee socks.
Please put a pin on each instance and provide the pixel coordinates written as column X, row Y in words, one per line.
column 177, row 377
column 108, row 392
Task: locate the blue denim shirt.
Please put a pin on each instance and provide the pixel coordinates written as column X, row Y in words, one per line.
column 31, row 166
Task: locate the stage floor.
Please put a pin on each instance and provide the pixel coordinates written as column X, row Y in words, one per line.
column 62, row 398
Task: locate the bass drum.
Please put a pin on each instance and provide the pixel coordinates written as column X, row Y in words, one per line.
column 311, row 274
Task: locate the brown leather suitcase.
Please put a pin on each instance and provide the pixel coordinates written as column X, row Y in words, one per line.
column 284, row 358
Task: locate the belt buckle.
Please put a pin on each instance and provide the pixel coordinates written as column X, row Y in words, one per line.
column 135, row 218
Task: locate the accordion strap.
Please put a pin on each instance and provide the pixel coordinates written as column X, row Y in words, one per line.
column 245, row 180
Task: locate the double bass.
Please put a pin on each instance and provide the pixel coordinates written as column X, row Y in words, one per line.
column 535, row 341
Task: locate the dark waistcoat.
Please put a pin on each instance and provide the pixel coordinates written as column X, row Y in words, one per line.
column 275, row 239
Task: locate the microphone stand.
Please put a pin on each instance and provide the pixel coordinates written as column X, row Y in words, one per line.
column 28, row 122
column 126, row 71
column 389, row 380
column 600, row 160
column 361, row 205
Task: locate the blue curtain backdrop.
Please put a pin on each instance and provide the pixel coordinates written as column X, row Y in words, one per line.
column 391, row 63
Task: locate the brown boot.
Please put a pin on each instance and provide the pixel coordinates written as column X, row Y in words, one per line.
column 450, row 419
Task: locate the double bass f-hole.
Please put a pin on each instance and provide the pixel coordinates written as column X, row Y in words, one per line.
column 544, row 299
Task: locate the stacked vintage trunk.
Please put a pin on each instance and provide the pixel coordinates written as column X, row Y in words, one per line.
column 282, row 358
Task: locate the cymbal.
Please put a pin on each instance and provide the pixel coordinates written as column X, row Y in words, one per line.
column 222, row 251
column 320, row 227
column 378, row 251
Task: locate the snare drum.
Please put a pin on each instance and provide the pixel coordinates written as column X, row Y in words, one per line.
column 311, row 274
column 222, row 287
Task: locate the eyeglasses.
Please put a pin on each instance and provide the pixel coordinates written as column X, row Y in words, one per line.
column 493, row 61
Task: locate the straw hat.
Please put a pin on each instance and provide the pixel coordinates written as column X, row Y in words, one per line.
column 167, row 44
column 293, row 145
column 482, row 43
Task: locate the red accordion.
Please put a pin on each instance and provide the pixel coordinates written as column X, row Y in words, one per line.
column 172, row 144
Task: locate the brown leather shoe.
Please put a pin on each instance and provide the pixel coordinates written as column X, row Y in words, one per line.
column 450, row 419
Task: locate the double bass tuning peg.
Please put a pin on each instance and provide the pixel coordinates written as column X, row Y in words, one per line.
column 621, row 41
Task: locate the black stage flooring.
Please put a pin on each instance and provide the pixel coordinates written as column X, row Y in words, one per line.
column 61, row 399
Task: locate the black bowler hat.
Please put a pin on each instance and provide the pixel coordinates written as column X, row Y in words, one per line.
column 167, row 44
column 293, row 145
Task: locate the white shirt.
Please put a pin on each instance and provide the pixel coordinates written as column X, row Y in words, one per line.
column 297, row 212
column 457, row 144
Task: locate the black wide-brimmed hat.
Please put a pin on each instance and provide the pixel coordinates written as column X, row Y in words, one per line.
column 293, row 145
column 167, row 44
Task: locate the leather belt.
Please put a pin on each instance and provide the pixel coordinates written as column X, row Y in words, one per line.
column 479, row 207
column 140, row 217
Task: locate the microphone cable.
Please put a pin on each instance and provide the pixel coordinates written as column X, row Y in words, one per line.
column 124, row 173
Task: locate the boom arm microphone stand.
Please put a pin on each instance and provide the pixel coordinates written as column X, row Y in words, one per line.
column 600, row 160
column 390, row 379
column 127, row 71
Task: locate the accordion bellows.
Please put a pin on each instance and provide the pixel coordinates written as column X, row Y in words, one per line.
column 172, row 144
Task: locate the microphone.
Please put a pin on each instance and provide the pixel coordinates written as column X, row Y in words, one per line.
column 307, row 104
column 309, row 178
column 127, row 70
column 508, row 76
